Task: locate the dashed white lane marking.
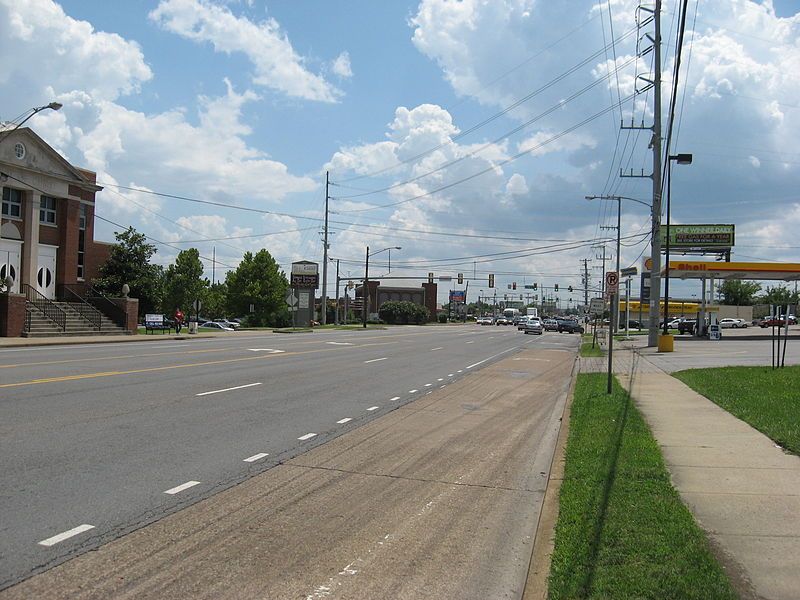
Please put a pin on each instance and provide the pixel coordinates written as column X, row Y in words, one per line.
column 412, row 391
column 440, row 379
column 371, row 408
column 459, row 371
column 442, row 386
column 395, row 398
column 428, row 384
column 339, row 343
column 230, row 389
column 470, row 342
column 307, row 436
column 375, row 360
column 343, row 421
column 256, row 457
column 450, row 375
column 270, row 350
column 181, row 487
column 51, row 541
column 439, row 348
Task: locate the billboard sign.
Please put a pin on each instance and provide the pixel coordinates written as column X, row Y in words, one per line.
column 458, row 296
column 300, row 280
column 305, row 267
column 700, row 237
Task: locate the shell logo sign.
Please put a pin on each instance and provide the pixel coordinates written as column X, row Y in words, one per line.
column 648, row 264
column 691, row 266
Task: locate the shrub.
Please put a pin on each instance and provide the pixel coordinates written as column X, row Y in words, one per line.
column 402, row 313
column 442, row 317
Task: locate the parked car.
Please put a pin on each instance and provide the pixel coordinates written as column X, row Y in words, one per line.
column 484, row 320
column 569, row 326
column 773, row 321
column 227, row 323
column 215, row 325
column 533, row 325
column 550, row 325
column 633, row 324
column 729, row 323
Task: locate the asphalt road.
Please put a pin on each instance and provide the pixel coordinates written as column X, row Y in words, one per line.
column 99, row 440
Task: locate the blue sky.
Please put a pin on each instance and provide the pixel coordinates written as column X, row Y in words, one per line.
column 248, row 103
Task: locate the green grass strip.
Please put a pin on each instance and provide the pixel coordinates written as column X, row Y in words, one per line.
column 586, row 347
column 622, row 529
column 767, row 399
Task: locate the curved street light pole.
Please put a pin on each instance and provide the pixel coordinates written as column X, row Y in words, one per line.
column 365, row 291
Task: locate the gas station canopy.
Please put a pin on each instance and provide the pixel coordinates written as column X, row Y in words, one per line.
column 699, row 269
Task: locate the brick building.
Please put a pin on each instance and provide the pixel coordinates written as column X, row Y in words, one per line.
column 47, row 245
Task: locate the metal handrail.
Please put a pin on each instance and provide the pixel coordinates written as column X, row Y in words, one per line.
column 106, row 306
column 87, row 311
column 44, row 305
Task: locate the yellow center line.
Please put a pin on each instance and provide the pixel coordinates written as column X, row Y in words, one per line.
column 96, row 358
column 168, row 367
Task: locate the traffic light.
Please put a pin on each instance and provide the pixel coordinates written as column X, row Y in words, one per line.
column 491, row 280
column 556, row 287
column 570, row 289
column 514, row 285
column 460, row 278
column 534, row 285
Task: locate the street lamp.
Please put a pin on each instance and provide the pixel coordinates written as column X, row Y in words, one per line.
column 33, row 111
column 365, row 294
column 681, row 159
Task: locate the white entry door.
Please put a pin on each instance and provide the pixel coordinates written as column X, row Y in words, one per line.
column 9, row 262
column 46, row 273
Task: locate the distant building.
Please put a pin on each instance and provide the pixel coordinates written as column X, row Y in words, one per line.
column 424, row 295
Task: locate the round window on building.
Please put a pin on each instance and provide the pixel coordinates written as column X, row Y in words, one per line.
column 19, row 150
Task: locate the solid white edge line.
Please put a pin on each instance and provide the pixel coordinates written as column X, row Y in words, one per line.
column 491, row 357
column 345, row 420
column 51, row 541
column 371, row 408
column 395, row 398
column 375, row 360
column 256, row 457
column 238, row 387
column 307, row 436
column 181, row 487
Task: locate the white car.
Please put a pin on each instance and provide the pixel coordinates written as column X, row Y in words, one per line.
column 218, row 326
column 730, row 323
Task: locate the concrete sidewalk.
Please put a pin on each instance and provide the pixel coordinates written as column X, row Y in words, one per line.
column 742, row 489
column 22, row 342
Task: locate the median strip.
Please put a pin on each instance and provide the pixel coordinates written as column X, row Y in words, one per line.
column 52, row 541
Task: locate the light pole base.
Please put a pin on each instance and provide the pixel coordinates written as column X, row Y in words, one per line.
column 666, row 343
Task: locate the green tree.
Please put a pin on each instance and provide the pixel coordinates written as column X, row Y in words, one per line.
column 215, row 299
column 130, row 263
column 184, row 282
column 258, row 281
column 739, row 293
column 780, row 295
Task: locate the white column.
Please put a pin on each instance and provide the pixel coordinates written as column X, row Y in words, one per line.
column 30, row 240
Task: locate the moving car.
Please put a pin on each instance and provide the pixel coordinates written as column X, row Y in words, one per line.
column 687, row 326
column 522, row 321
column 533, row 325
column 501, row 320
column 227, row 323
column 550, row 325
column 215, row 325
column 569, row 326
column 484, row 320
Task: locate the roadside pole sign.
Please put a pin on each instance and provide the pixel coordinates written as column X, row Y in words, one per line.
column 291, row 299
column 597, row 306
column 612, row 282
column 629, row 272
column 197, row 305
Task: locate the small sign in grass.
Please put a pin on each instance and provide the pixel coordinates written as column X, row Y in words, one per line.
column 767, row 399
column 622, row 530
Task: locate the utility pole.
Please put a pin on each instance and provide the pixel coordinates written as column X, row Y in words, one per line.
column 586, row 283
column 213, row 265
column 324, row 312
column 655, row 144
column 336, row 312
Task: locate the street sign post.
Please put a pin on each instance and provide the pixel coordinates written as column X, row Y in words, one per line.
column 629, row 272
column 612, row 282
column 597, row 306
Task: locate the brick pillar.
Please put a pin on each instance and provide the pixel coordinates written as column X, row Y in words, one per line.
column 67, row 256
column 131, row 308
column 12, row 315
column 430, row 299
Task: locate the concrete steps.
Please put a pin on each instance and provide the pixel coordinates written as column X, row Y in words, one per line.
column 76, row 324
